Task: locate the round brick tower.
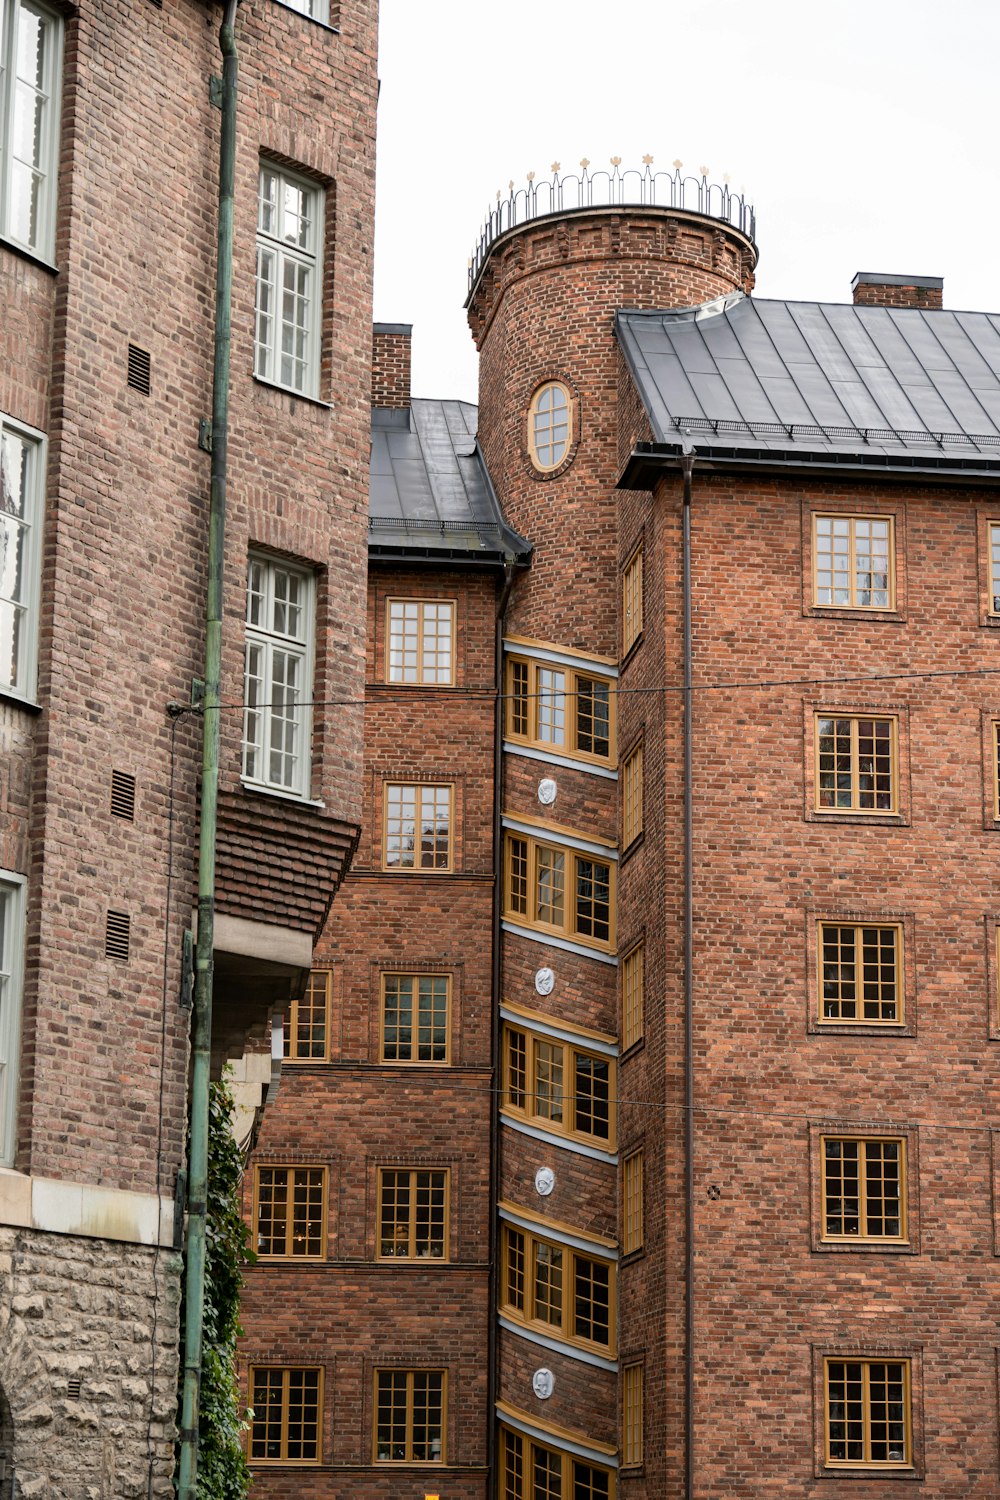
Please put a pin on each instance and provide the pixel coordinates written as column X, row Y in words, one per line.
column 584, row 1295
column 542, row 307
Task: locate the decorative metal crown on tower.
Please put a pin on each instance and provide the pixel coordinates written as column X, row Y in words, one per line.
column 633, row 188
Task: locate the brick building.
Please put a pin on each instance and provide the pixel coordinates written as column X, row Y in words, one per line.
column 741, row 943
column 109, row 199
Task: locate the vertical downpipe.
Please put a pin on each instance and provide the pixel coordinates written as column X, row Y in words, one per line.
column 687, row 465
column 497, row 1072
column 201, row 1026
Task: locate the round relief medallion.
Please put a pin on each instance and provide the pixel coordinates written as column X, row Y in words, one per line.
column 547, row 791
column 545, row 1181
column 544, row 981
column 543, row 1383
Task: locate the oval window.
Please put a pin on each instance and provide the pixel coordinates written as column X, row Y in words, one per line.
column 549, row 425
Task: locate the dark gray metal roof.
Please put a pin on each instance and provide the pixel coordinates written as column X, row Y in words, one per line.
column 821, row 382
column 431, row 496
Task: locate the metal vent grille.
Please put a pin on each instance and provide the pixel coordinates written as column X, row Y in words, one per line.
column 139, row 368
column 73, row 1388
column 123, row 795
column 117, row 935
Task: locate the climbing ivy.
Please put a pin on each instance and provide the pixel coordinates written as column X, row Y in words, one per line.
column 222, row 1465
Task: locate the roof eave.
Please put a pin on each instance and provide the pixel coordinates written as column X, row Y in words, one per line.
column 648, row 462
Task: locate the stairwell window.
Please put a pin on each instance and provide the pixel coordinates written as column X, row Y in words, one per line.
column 555, row 1288
column 11, row 979
column 289, row 280
column 556, row 708
column 278, row 676
column 558, row 1086
column 632, row 601
column 22, row 459
column 558, row 890
column 30, row 66
column 533, row 1471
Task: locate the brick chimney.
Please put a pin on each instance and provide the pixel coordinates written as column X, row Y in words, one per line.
column 875, row 289
column 391, row 364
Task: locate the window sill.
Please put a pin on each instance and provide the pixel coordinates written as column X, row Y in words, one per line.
column 279, row 796
column 323, row 25
column 273, row 385
column 890, row 1030
column 845, row 612
column 28, row 704
column 865, row 1247
column 628, row 655
column 631, row 848
column 858, row 819
column 28, row 255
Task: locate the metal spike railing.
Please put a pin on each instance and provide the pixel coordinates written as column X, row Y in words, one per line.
column 633, row 188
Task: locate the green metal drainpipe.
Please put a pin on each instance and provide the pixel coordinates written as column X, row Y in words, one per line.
column 201, row 1025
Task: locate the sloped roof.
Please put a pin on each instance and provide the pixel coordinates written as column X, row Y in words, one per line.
column 823, row 381
column 431, row 496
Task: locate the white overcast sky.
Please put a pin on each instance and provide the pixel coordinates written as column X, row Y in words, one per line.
column 867, row 136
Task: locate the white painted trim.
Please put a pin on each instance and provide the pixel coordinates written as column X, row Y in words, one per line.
column 568, row 840
column 546, row 1028
column 561, row 658
column 551, row 1139
column 549, row 1440
column 57, row 1207
column 511, row 747
column 576, row 1241
column 550, row 941
column 558, row 1346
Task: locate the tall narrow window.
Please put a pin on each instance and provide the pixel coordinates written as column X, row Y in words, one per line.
column 413, row 1214
column 287, row 1407
column 994, row 569
column 307, row 1035
column 868, row 1415
column 289, row 280
column 632, row 797
column 415, row 1012
column 633, row 988
column 633, row 1195
column 860, row 974
column 417, row 827
column 550, row 425
column 421, row 641
column 853, row 562
column 277, row 717
column 864, row 1188
column 30, row 64
column 410, row 1416
column 856, row 765
column 632, row 601
column 632, row 1414
column 21, row 457
column 11, row 978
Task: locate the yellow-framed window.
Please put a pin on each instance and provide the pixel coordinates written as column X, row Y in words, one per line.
column 561, row 1086
column 857, row 766
column 531, row 1470
column 552, row 1286
column 307, row 1036
column 996, row 768
column 559, row 890
column 560, row 709
column 287, row 1406
column 415, row 1024
column 417, row 825
column 420, row 641
column 868, row 1415
column 632, row 1415
column 860, row 973
column 854, row 562
column 632, row 601
column 633, row 1195
column 290, row 1212
column 632, row 811
column 413, row 1213
column 864, row 1187
column 550, row 425
column 994, row 568
column 633, row 983
column 411, row 1410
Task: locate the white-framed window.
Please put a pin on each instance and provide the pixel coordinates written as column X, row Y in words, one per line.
column 318, row 9
column 11, row 982
column 289, row 280
column 30, row 65
column 277, row 687
column 22, row 468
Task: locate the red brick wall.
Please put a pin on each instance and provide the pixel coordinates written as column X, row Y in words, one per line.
column 880, row 294
column 391, row 364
